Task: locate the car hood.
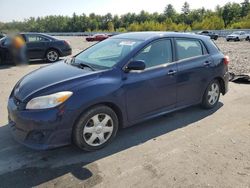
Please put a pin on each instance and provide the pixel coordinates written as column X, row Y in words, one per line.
column 59, row 75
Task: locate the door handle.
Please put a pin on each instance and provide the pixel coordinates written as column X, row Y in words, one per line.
column 207, row 63
column 172, row 72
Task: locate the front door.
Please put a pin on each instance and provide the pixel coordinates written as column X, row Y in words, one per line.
column 36, row 46
column 152, row 90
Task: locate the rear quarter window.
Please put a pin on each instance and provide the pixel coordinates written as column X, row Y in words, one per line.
column 214, row 45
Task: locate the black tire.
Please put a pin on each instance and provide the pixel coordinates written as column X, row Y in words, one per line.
column 247, row 39
column 52, row 55
column 215, row 38
column 1, row 60
column 78, row 136
column 228, row 40
column 206, row 103
column 237, row 39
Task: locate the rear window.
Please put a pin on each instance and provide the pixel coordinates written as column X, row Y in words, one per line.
column 188, row 48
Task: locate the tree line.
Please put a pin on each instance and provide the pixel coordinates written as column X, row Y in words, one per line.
column 229, row 16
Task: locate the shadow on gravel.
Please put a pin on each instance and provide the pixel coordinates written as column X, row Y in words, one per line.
column 48, row 165
column 239, row 78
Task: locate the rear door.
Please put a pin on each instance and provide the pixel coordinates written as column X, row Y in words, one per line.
column 195, row 70
column 36, row 46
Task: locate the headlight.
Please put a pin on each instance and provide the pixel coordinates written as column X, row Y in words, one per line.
column 48, row 101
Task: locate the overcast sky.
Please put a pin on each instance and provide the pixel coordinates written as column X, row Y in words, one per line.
column 21, row 9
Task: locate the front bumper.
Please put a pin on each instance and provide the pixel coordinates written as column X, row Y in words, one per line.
column 231, row 38
column 40, row 129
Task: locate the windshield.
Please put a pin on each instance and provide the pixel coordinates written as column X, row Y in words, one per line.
column 107, row 53
column 2, row 39
column 236, row 33
column 5, row 41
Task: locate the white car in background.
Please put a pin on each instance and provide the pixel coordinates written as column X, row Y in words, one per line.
column 238, row 36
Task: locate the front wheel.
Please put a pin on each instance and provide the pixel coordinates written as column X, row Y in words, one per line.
column 212, row 95
column 96, row 128
column 52, row 56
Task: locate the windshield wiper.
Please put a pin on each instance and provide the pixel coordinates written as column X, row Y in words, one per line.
column 81, row 64
column 86, row 65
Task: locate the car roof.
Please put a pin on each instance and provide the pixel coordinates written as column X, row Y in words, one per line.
column 30, row 33
column 157, row 34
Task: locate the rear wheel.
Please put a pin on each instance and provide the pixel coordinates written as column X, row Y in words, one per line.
column 52, row 55
column 212, row 95
column 96, row 128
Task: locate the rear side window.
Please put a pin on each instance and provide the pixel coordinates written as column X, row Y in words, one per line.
column 188, row 48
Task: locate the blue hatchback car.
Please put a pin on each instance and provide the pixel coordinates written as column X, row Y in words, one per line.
column 124, row 80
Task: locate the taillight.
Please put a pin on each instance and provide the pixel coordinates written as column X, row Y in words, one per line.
column 67, row 43
column 226, row 60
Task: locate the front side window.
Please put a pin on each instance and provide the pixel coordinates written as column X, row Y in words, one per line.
column 188, row 48
column 107, row 53
column 156, row 53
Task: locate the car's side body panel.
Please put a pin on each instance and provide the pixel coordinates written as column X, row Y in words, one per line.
column 135, row 96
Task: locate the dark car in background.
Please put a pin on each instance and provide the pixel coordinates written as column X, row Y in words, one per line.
column 212, row 35
column 39, row 46
column 97, row 37
column 121, row 81
column 2, row 35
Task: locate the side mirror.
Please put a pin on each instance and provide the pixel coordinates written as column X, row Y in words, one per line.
column 135, row 65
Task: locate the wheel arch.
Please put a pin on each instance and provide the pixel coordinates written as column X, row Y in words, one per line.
column 52, row 48
column 111, row 105
column 117, row 110
column 222, row 84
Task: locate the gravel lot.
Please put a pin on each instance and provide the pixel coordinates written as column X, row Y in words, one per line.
column 189, row 148
column 239, row 54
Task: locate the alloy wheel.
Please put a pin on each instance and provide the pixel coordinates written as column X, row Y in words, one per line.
column 213, row 93
column 52, row 56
